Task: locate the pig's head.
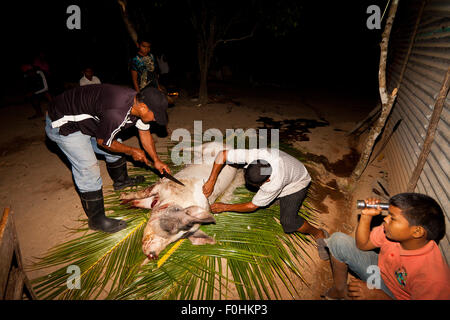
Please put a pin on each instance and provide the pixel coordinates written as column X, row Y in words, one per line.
column 170, row 223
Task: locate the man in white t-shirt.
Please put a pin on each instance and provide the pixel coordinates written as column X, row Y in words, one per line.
column 277, row 175
column 89, row 78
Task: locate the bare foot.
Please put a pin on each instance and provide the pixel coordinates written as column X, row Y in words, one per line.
column 335, row 294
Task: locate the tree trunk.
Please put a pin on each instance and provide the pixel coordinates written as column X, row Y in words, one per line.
column 128, row 24
column 386, row 100
column 205, row 53
column 203, row 62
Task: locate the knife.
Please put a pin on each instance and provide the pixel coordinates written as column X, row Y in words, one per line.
column 171, row 177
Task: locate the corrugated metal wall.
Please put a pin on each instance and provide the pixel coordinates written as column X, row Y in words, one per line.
column 420, row 86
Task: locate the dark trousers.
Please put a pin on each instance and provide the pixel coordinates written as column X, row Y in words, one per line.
column 36, row 100
column 289, row 207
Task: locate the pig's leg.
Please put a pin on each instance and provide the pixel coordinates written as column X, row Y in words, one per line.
column 147, row 203
column 200, row 238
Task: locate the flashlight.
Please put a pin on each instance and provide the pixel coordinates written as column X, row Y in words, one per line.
column 360, row 204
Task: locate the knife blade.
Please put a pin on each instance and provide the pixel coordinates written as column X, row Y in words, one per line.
column 171, row 177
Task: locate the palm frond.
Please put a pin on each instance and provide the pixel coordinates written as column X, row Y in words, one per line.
column 252, row 256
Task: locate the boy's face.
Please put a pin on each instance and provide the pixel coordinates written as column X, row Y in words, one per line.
column 88, row 73
column 144, row 48
column 396, row 227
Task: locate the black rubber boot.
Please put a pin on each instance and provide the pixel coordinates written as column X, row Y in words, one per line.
column 95, row 210
column 119, row 174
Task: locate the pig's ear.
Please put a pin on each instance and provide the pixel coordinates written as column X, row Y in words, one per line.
column 199, row 238
column 200, row 214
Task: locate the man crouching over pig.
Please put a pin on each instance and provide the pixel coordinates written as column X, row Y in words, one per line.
column 85, row 121
column 276, row 174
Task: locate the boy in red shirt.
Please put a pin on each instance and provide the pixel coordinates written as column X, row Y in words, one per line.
column 409, row 265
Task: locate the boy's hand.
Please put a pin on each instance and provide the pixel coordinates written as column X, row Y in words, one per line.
column 371, row 211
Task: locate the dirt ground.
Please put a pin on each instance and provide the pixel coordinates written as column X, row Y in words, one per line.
column 38, row 187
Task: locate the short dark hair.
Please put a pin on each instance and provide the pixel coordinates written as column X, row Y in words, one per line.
column 143, row 39
column 140, row 97
column 257, row 172
column 421, row 210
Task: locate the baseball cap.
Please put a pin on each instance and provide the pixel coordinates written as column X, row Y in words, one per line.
column 156, row 101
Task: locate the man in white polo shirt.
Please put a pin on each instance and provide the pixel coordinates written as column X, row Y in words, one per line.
column 277, row 175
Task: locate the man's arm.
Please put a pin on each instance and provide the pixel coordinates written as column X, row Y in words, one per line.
column 219, row 163
column 44, row 82
column 116, row 146
column 149, row 145
column 134, row 77
column 219, row 207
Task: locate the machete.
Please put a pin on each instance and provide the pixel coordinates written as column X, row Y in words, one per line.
column 172, row 178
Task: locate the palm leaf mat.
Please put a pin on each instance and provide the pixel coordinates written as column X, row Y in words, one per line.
column 252, row 257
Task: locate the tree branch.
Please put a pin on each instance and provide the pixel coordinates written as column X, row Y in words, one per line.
column 237, row 39
column 386, row 100
column 128, row 24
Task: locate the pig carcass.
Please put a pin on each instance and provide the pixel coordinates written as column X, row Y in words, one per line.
column 178, row 211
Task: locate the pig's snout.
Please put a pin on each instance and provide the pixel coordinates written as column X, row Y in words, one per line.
column 152, row 256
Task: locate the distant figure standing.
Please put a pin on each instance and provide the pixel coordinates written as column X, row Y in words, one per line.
column 36, row 88
column 144, row 67
column 88, row 77
column 41, row 63
column 163, row 70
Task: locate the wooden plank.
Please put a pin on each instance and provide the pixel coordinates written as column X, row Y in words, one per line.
column 13, row 279
column 14, row 289
column 6, row 250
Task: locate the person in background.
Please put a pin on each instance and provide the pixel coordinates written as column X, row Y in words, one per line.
column 40, row 62
column 144, row 67
column 163, row 70
column 409, row 265
column 36, row 88
column 89, row 77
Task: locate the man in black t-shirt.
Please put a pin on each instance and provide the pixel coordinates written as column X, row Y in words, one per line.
column 86, row 120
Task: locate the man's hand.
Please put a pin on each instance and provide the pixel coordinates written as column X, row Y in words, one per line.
column 371, row 211
column 208, row 188
column 218, row 207
column 139, row 155
column 358, row 290
column 161, row 167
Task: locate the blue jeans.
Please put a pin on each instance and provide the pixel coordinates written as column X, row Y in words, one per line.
column 343, row 248
column 80, row 149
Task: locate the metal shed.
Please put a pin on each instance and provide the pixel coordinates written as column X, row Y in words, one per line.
column 418, row 60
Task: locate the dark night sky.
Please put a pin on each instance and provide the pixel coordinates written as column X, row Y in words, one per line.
column 331, row 47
